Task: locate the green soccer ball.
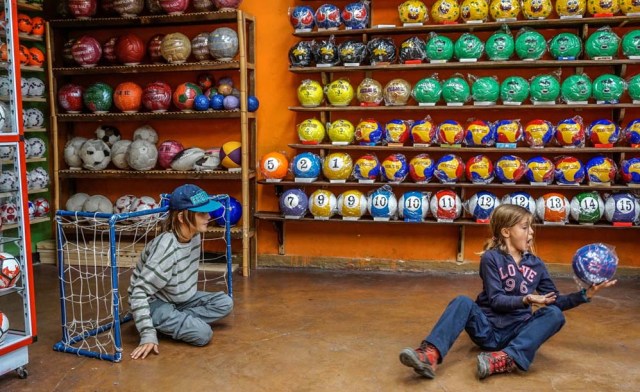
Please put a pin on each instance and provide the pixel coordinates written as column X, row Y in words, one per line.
column 427, row 90
column 565, row 45
column 631, row 43
column 544, row 88
column 608, row 88
column 576, row 88
column 485, row 89
column 98, row 97
column 468, row 46
column 634, row 87
column 514, row 89
column 456, row 90
column 530, row 45
column 602, row 43
column 439, row 47
column 500, row 46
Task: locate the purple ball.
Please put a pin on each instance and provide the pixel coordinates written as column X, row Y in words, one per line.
column 595, row 263
column 231, row 102
column 294, row 202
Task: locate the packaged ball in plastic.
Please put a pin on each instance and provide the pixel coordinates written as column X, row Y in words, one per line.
column 621, row 207
column 536, row 9
column 450, row 132
column 337, row 166
column 587, row 207
column 413, row 206
column 369, row 92
column 355, row 15
column 474, row 11
column 382, row 204
column 633, row 86
column 479, row 169
column 479, row 133
column 323, row 204
column 603, row 131
column 504, row 10
column 156, row 97
column 274, row 165
column 396, row 131
column 339, row 92
column 481, row 205
column 86, row 51
column 306, row 165
column 70, row 98
column 413, row 11
column 328, row 17
column 397, row 92
column 538, row 133
column 630, row 170
column 446, row 205
column 381, row 50
column 570, row 132
column 608, row 88
column 514, row 89
column 602, row 43
column 456, row 90
column 500, row 46
column 553, row 208
column 421, row 168
column 424, row 132
column 185, row 95
column 468, row 46
column 368, row 132
column 544, row 88
column 508, row 131
column 394, row 168
column 439, row 48
column 631, row 42
column 98, row 97
column 571, row 8
column 427, row 91
column 449, row 169
column 301, row 54
column 565, row 46
column 412, row 49
column 485, row 90
column 576, row 88
column 294, row 203
column 540, row 170
column 629, row 7
column 311, row 131
column 341, row 132
column 445, row 11
column 352, row 52
column 223, row 44
column 522, row 199
column 569, row 170
column 509, row 169
column 352, row 204
column 301, row 17
column 632, row 132
column 325, row 52
column 366, row 168
column 310, row 93
column 601, row 169
column 595, row 263
column 166, row 152
column 530, row 45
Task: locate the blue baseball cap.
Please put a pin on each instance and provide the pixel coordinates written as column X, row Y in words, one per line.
column 193, row 198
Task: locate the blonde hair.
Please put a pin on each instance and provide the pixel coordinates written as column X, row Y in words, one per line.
column 505, row 216
column 183, row 229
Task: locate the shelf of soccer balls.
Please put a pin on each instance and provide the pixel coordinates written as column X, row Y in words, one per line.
column 110, row 69
column 28, row 5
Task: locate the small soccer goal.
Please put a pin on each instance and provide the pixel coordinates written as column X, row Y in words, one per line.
column 96, row 254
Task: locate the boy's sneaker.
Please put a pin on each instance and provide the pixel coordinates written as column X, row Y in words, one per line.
column 423, row 359
column 493, row 363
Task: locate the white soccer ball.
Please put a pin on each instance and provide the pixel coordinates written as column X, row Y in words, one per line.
column 124, row 204
column 35, row 87
column 95, row 154
column 8, row 181
column 98, row 203
column 144, row 203
column 142, row 155
column 9, row 213
column 72, row 152
column 76, row 202
column 108, row 134
column 5, row 85
column 119, row 154
column 10, row 268
column 186, row 159
column 4, row 327
column 34, row 118
column 7, row 153
column 37, row 178
column 36, row 148
column 209, row 161
column 146, row 132
column 32, row 209
column 24, row 86
column 5, row 124
column 41, row 206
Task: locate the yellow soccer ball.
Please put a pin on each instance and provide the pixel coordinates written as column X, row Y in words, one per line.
column 569, row 8
column 352, row 204
column 603, row 7
column 412, row 11
column 445, row 11
column 339, row 92
column 342, row 132
column 311, row 131
column 504, row 9
column 472, row 10
column 310, row 93
column 536, row 9
column 323, row 204
column 337, row 166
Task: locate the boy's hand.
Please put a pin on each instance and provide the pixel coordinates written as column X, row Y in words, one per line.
column 143, row 350
column 591, row 291
column 546, row 299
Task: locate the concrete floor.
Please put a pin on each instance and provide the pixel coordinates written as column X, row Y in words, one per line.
column 297, row 330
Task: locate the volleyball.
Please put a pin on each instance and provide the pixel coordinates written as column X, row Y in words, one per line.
column 127, row 97
column 352, row 204
column 479, row 133
column 621, row 207
column 538, row 133
column 510, row 169
column 293, row 203
column 479, row 169
column 587, row 207
column 413, row 206
column 450, row 132
column 421, row 168
column 311, row 131
column 231, row 155
column 449, row 169
column 366, row 167
column 570, row 132
column 396, row 131
column 337, row 166
column 630, row 170
column 9, row 271
column 595, row 263
column 382, row 204
column 310, row 93
column 446, row 205
column 553, row 207
column 369, row 132
column 540, row 170
column 569, row 170
column 508, row 131
column 424, row 132
column 323, row 204
column 522, row 199
column 274, row 165
column 603, row 131
column 632, row 132
column 601, row 169
column 481, row 205
column 306, row 165
column 342, row 132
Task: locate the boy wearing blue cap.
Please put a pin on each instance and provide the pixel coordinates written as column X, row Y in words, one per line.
column 163, row 293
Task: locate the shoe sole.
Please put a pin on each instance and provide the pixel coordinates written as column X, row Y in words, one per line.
column 483, row 367
column 409, row 358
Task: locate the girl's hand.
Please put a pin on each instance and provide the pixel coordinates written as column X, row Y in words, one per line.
column 591, row 291
column 546, row 299
column 143, row 350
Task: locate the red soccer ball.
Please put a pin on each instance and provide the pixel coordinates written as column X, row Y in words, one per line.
column 167, row 151
column 67, row 52
column 233, row 4
column 153, row 47
column 128, row 8
column 185, row 94
column 109, row 51
column 129, row 49
column 86, row 51
column 70, row 98
column 128, row 97
column 174, row 7
column 82, row 9
column 205, row 81
column 156, row 97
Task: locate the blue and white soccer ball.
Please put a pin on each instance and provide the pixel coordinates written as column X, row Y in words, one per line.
column 7, row 153
column 482, row 204
column 5, row 86
column 306, row 165
column 35, row 148
column 33, row 118
column 37, row 178
column 382, row 204
column 32, row 209
column 522, row 199
column 35, row 87
column 413, row 206
column 8, row 181
column 294, row 203
column 621, row 207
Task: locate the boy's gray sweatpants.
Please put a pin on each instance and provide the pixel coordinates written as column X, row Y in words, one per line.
column 189, row 321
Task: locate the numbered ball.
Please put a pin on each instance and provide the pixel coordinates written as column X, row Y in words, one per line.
column 587, row 207
column 323, row 204
column 352, row 204
column 481, row 205
column 413, row 206
column 522, row 199
column 306, row 165
column 382, row 204
column 553, row 207
column 337, row 166
column 274, row 165
column 294, row 203
column 446, row 205
column 622, row 207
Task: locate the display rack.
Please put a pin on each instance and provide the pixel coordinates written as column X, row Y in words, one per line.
column 65, row 125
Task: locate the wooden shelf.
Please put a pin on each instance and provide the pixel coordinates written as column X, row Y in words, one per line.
column 31, row 221
column 12, row 193
column 146, row 20
column 22, row 37
column 23, row 68
column 145, row 116
column 382, row 108
column 154, row 174
column 146, row 68
column 35, row 130
column 273, row 216
column 25, row 99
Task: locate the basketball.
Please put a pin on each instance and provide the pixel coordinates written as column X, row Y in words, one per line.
column 274, row 165
column 553, row 207
column 293, row 203
column 9, row 271
column 382, row 204
column 306, row 165
column 595, row 263
column 352, row 204
column 413, row 206
column 323, row 204
column 446, row 205
column 129, row 49
column 127, row 97
column 231, row 155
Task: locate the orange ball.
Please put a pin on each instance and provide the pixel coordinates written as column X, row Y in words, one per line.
column 24, row 55
column 36, row 57
column 25, row 25
column 38, row 26
column 128, row 97
column 274, row 165
column 3, row 52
